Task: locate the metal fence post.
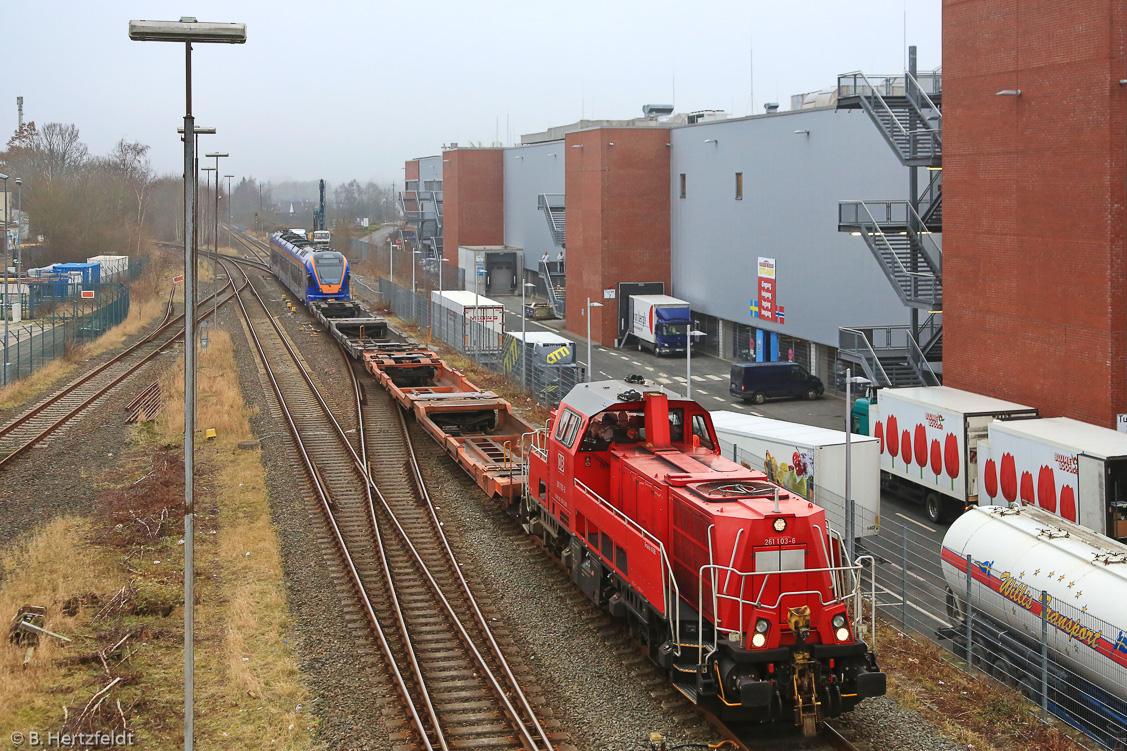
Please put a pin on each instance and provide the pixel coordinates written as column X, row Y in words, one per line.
column 904, row 579
column 970, row 613
column 1044, row 656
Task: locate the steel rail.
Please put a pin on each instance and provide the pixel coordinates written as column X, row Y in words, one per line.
column 327, row 506
column 361, row 466
column 70, row 389
column 514, row 686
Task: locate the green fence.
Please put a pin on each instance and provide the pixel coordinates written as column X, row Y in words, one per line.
column 70, row 321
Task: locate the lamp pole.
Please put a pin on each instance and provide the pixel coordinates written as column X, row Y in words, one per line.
column 7, row 305
column 689, row 360
column 19, row 220
column 230, row 201
column 186, row 31
column 215, row 237
column 414, row 294
column 850, row 506
column 442, row 317
column 590, row 366
column 524, row 333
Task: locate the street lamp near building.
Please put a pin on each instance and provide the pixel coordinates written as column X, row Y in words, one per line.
column 590, row 365
column 850, row 505
column 186, row 31
column 6, row 305
column 524, row 335
column 689, row 335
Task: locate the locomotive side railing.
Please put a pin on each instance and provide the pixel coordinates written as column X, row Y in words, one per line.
column 670, row 590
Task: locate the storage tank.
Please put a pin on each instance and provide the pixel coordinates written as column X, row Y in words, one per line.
column 1020, row 552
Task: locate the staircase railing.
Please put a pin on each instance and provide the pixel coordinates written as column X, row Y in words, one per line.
column 858, row 213
column 919, row 362
column 935, row 77
column 558, row 302
column 857, row 343
column 930, row 331
column 932, row 196
column 857, row 84
column 549, row 203
column 932, row 251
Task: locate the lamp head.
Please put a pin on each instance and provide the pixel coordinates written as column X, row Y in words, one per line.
column 188, row 29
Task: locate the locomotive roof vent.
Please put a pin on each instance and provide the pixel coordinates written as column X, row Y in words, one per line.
column 733, row 490
column 630, row 395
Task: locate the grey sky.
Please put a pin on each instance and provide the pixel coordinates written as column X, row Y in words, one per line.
column 339, row 89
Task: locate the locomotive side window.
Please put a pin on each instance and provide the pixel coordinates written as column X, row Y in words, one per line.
column 700, row 430
column 614, row 426
column 567, row 427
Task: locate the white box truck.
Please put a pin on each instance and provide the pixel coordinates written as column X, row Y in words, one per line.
column 809, row 461
column 462, row 309
column 1072, row 469
column 114, row 268
column 660, row 323
column 929, row 443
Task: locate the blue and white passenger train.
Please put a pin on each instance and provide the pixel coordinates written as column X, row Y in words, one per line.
column 312, row 272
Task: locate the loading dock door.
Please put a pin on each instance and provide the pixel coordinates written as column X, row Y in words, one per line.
column 625, row 290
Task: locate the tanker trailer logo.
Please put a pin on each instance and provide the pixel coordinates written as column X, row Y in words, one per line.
column 934, row 420
column 1017, row 591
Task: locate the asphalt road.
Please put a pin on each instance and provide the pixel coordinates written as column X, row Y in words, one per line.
column 710, row 388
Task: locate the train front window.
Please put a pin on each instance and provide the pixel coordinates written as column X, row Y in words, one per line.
column 330, row 267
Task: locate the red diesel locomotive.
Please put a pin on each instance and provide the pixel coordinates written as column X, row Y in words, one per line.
column 736, row 586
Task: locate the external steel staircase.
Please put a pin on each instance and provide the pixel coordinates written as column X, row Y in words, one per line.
column 901, row 234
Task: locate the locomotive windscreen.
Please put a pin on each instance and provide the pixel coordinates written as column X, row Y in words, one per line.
column 330, row 267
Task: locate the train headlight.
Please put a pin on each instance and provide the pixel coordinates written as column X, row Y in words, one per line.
column 758, row 640
column 839, row 620
column 842, row 634
column 762, row 625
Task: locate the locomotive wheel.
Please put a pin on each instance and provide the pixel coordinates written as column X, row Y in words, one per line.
column 954, row 607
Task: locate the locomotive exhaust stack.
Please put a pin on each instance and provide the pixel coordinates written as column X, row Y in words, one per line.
column 732, row 582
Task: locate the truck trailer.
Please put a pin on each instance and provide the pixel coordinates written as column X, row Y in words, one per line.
column 1067, row 468
column 809, row 461
column 480, row 320
column 929, row 439
column 660, row 323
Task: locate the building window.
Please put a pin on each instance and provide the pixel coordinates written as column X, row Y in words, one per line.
column 682, row 184
column 739, row 186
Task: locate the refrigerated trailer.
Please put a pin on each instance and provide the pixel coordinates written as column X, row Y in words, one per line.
column 480, row 320
column 809, row 461
column 929, row 438
column 1071, row 469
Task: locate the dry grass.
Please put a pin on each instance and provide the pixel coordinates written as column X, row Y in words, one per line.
column 219, row 402
column 973, row 710
column 119, row 575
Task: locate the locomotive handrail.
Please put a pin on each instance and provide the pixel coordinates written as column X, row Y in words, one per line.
column 667, row 567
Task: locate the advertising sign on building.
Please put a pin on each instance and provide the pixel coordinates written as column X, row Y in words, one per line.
column 765, row 305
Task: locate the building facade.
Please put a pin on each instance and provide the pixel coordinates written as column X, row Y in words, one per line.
column 1035, row 148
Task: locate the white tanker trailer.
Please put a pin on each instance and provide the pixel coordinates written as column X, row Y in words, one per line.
column 1018, row 554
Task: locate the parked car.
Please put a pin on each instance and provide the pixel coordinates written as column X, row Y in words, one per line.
column 756, row 381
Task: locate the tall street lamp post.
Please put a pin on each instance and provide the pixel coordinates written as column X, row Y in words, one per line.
column 689, row 360
column 6, row 306
column 850, row 506
column 524, row 333
column 19, row 222
column 590, row 366
column 186, row 31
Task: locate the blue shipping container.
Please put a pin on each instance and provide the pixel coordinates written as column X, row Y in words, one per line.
column 91, row 272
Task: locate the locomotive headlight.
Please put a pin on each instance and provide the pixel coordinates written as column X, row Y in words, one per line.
column 780, row 524
column 762, row 625
column 758, row 640
column 839, row 620
column 842, row 634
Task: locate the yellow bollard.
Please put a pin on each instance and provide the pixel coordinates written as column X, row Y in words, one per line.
column 210, row 434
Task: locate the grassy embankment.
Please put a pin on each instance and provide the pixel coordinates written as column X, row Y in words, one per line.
column 114, row 584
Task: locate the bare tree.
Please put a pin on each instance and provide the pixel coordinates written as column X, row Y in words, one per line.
column 130, row 162
column 59, row 152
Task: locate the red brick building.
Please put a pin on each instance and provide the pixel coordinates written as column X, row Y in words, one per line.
column 474, row 199
column 617, row 185
column 1035, row 248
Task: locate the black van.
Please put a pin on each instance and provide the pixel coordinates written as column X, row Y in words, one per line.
column 755, row 381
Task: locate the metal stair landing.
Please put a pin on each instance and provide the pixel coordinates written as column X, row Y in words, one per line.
column 905, row 109
column 552, row 204
column 907, row 253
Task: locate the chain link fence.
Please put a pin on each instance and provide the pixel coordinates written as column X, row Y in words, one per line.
column 485, row 342
column 1064, row 661
column 69, row 322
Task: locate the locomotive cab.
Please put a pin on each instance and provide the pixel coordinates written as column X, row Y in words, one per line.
column 737, row 586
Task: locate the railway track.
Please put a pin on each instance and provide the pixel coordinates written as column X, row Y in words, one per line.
column 458, row 691
column 53, row 413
